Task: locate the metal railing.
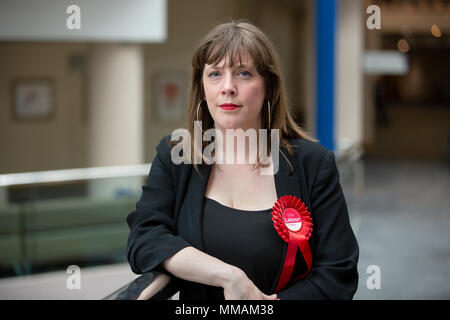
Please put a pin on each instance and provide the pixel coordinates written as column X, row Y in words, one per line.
column 53, row 176
column 29, row 222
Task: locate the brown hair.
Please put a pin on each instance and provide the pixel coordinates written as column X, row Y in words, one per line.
column 230, row 40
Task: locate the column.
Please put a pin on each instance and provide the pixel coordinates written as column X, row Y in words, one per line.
column 325, row 67
column 350, row 81
column 115, row 116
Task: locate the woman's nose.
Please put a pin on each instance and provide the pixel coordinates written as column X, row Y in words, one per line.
column 229, row 87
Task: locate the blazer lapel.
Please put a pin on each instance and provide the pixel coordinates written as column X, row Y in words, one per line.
column 195, row 197
column 286, row 179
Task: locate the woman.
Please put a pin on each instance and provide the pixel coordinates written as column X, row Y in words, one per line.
column 209, row 226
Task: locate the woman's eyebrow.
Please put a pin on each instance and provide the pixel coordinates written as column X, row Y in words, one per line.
column 234, row 66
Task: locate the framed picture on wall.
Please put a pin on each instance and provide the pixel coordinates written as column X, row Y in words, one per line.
column 169, row 92
column 33, row 99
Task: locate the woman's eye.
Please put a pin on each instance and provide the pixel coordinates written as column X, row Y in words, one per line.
column 244, row 73
column 213, row 74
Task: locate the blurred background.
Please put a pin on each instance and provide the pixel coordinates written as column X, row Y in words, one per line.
column 87, row 92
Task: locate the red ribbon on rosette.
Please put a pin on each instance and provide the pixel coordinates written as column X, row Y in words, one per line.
column 293, row 223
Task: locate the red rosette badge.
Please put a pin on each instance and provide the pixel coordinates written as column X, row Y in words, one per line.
column 293, row 223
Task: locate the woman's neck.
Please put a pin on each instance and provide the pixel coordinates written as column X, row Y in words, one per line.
column 237, row 147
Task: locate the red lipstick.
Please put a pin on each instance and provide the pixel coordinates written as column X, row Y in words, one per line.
column 229, row 106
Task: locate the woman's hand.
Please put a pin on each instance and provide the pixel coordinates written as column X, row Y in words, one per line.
column 239, row 287
column 157, row 284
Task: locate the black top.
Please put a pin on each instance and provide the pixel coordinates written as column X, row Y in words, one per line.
column 245, row 239
column 169, row 217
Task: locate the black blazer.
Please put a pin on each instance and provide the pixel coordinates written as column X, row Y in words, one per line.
column 168, row 218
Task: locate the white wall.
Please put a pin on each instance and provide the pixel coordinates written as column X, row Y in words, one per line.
column 349, row 78
column 64, row 140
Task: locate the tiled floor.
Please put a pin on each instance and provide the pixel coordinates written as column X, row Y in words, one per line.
column 402, row 222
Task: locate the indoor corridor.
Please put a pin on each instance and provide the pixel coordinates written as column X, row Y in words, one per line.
column 401, row 219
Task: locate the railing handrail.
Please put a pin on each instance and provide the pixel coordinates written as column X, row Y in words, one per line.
column 24, row 178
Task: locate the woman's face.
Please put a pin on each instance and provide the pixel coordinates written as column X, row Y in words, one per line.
column 235, row 95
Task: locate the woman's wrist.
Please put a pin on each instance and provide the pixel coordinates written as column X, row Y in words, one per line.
column 228, row 275
column 194, row 265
